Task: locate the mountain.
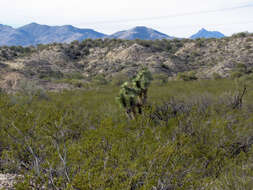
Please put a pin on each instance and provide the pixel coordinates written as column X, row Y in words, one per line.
column 203, row 33
column 140, row 32
column 34, row 33
column 44, row 34
column 10, row 36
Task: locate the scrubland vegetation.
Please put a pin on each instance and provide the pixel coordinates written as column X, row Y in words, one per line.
column 194, row 134
column 62, row 126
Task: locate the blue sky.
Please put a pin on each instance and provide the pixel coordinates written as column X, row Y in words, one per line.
column 179, row 18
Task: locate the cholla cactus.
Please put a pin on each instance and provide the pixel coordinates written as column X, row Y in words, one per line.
column 141, row 83
column 133, row 95
column 127, row 99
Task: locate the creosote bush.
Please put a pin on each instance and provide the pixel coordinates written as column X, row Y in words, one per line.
column 189, row 137
column 187, row 76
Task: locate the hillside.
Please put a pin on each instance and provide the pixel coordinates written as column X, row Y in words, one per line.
column 60, row 66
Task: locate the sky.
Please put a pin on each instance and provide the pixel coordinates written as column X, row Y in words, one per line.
column 180, row 18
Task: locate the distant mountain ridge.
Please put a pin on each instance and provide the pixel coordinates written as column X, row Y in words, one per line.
column 11, row 36
column 33, row 34
column 44, row 34
column 203, row 33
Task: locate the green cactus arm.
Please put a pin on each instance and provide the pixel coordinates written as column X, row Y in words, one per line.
column 122, row 101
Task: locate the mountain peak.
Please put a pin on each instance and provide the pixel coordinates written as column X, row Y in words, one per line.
column 33, row 23
column 140, row 27
column 203, row 30
column 203, row 33
column 140, row 32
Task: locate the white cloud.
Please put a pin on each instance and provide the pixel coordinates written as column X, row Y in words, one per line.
column 89, row 14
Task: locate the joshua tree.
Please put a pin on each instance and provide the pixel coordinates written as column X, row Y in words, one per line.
column 133, row 95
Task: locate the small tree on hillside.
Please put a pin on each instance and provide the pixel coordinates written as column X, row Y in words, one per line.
column 133, row 96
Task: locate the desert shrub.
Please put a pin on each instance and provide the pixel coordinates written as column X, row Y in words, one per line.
column 216, row 76
column 75, row 75
column 236, row 74
column 41, row 47
column 249, row 40
column 50, row 74
column 187, row 76
column 81, row 140
column 170, row 46
column 240, row 35
column 76, row 83
column 195, row 54
column 248, row 77
column 239, row 71
column 241, row 68
column 100, row 79
column 199, row 42
column 119, row 79
column 161, row 78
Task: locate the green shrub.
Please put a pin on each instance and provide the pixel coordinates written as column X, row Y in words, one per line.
column 240, row 35
column 100, row 79
column 200, row 42
column 248, row 77
column 216, row 76
column 161, row 79
column 241, row 68
column 119, row 79
column 236, row 74
column 50, row 74
column 188, row 137
column 187, row 76
column 74, row 75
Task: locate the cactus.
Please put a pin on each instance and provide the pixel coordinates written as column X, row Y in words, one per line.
column 133, row 95
column 127, row 99
column 141, row 83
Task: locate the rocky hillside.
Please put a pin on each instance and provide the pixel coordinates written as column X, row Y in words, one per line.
column 60, row 66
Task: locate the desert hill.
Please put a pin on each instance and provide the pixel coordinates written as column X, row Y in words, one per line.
column 56, row 66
